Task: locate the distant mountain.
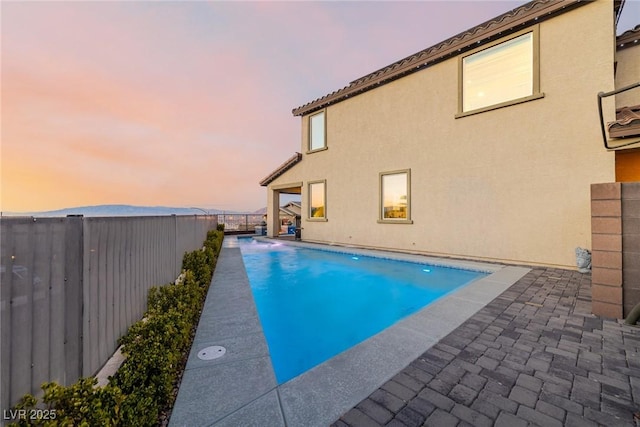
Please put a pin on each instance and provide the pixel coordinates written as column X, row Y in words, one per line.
column 119, row 210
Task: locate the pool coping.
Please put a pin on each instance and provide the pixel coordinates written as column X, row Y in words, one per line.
column 240, row 388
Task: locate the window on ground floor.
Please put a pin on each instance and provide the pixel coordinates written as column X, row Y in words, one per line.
column 395, row 196
column 317, row 200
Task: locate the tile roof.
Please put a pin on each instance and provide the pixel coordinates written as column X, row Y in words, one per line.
column 509, row 22
column 288, row 211
column 291, row 162
column 629, row 38
column 627, row 123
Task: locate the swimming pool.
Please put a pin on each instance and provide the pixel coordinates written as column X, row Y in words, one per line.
column 314, row 304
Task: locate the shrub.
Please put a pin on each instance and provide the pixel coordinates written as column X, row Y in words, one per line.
column 182, row 297
column 80, row 404
column 220, row 227
column 199, row 262
column 155, row 349
column 214, row 240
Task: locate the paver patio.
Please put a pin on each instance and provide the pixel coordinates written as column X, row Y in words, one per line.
column 533, row 356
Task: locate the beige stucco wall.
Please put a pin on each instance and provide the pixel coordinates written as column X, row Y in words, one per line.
column 628, row 72
column 510, row 184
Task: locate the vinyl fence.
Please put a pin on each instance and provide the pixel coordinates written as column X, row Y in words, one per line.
column 70, row 287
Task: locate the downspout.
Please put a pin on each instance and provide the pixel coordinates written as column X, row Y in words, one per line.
column 633, row 316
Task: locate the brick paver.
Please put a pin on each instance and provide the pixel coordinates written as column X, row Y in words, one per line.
column 533, row 356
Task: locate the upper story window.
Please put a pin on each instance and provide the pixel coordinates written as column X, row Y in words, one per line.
column 395, row 196
column 317, row 200
column 317, row 134
column 502, row 74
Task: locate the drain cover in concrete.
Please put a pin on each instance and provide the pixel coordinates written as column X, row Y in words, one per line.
column 210, row 353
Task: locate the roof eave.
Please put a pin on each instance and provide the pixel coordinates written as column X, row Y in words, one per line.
column 509, row 22
column 291, row 162
column 629, row 38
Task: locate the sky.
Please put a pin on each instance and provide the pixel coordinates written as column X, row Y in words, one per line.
column 187, row 103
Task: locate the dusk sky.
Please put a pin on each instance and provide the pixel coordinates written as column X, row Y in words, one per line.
column 187, row 103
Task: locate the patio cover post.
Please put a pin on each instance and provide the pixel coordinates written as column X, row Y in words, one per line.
column 273, row 212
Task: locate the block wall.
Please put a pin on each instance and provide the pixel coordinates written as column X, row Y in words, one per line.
column 615, row 228
column 606, row 243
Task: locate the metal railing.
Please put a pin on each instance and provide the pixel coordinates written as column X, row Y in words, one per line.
column 240, row 223
column 600, row 112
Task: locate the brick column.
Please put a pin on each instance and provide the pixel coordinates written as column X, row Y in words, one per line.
column 606, row 245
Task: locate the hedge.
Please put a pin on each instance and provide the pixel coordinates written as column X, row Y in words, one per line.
column 155, row 348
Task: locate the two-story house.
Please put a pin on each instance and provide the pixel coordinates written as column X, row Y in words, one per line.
column 483, row 146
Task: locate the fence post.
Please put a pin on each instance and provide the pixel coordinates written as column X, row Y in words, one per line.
column 74, row 265
column 176, row 268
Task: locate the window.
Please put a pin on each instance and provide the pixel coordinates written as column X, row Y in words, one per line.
column 317, row 138
column 317, row 200
column 500, row 75
column 395, row 199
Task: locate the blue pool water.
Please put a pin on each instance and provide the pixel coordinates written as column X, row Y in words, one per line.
column 315, row 304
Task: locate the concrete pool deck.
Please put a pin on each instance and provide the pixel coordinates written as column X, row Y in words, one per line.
column 240, row 388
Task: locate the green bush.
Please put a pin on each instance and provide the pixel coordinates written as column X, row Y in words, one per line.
column 199, row 262
column 162, row 299
column 220, row 227
column 80, row 404
column 155, row 349
column 214, row 240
